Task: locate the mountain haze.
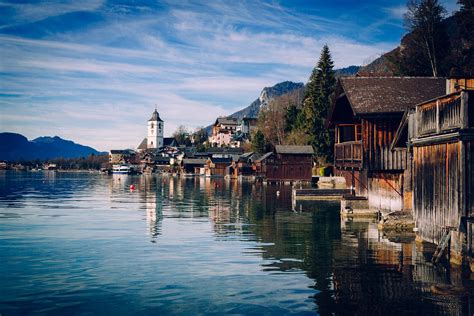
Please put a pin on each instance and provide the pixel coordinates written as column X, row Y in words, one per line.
column 16, row 147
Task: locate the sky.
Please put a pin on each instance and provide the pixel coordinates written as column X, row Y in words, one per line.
column 92, row 71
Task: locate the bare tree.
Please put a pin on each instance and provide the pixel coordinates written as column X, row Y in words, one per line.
column 424, row 18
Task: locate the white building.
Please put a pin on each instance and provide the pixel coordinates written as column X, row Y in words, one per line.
column 222, row 131
column 155, row 131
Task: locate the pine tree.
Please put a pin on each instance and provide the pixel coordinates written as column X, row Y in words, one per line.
column 258, row 142
column 316, row 103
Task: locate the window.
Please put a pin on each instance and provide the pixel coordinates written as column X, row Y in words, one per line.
column 152, row 125
column 152, row 143
column 159, row 125
column 346, row 133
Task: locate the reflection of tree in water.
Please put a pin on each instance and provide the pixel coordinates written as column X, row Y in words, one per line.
column 305, row 236
column 354, row 269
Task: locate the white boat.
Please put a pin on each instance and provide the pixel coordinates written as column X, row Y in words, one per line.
column 121, row 169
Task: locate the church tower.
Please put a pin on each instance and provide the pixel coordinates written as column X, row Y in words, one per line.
column 155, row 131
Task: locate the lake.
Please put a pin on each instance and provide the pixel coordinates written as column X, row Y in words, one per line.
column 80, row 243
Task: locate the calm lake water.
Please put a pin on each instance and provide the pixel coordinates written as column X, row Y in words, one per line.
column 78, row 243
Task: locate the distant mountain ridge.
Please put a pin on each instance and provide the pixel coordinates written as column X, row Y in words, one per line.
column 267, row 94
column 16, row 147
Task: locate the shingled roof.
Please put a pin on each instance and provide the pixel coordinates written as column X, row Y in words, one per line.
column 143, row 144
column 369, row 95
column 294, row 149
column 226, row 121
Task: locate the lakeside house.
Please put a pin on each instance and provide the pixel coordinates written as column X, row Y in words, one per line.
column 193, row 165
column 222, row 131
column 242, row 166
column 287, row 163
column 365, row 115
column 218, row 166
column 439, row 135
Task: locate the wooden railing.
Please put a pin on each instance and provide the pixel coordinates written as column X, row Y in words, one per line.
column 348, row 154
column 443, row 114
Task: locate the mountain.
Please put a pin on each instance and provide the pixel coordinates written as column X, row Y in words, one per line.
column 407, row 60
column 16, row 147
column 267, row 94
column 347, row 71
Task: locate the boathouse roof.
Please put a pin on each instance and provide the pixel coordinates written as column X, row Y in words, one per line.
column 294, row 149
column 390, row 94
column 263, row 157
column 226, row 160
column 359, row 96
column 155, row 116
column 194, row 161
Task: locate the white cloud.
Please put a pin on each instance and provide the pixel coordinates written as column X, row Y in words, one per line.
column 98, row 86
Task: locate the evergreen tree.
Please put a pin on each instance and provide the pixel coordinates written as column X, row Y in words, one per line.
column 291, row 118
column 316, row 103
column 258, row 142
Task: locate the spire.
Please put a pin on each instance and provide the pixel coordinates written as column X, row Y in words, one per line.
column 155, row 116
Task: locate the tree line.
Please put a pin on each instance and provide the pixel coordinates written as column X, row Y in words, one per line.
column 91, row 162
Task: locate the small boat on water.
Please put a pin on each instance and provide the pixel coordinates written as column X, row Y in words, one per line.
column 121, row 169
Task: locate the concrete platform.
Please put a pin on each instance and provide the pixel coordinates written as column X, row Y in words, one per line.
column 356, row 206
column 397, row 221
column 319, row 194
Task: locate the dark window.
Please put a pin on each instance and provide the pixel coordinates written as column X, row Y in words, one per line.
column 346, row 133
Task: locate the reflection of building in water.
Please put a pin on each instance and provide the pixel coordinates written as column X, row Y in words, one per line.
column 387, row 277
column 153, row 205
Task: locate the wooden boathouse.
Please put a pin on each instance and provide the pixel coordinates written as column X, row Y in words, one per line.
column 439, row 134
column 287, row 163
column 365, row 115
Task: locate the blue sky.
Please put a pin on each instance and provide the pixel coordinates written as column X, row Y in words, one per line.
column 93, row 70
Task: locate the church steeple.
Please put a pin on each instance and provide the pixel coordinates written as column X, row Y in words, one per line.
column 155, row 116
column 155, row 131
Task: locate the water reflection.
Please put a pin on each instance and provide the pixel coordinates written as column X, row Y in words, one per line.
column 217, row 245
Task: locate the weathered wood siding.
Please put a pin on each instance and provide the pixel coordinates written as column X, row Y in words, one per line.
column 377, row 136
column 288, row 167
column 470, row 178
column 359, row 183
column 386, row 191
column 437, row 188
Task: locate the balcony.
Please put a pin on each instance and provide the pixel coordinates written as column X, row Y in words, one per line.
column 446, row 114
column 348, row 154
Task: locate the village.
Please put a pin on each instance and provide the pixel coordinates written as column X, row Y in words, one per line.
column 225, row 158
column 404, row 152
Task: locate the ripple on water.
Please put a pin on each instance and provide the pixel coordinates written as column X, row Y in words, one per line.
column 73, row 243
